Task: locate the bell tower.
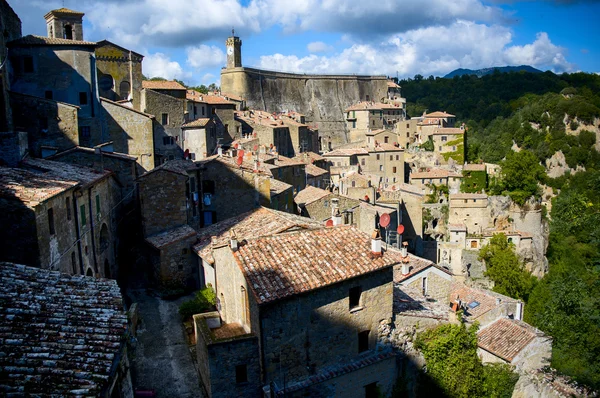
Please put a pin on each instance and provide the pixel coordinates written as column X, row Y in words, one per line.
column 65, row 24
column 234, row 51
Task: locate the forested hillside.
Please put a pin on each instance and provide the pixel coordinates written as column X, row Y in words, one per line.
column 540, row 115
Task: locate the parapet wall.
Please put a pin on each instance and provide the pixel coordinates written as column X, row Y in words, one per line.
column 322, row 98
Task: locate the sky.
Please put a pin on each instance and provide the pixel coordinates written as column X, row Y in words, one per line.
column 185, row 39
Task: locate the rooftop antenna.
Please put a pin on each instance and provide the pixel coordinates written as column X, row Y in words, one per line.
column 232, row 30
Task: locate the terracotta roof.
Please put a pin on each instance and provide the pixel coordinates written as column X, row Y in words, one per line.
column 448, row 131
column 30, row 188
column 34, row 40
column 406, row 188
column 435, row 173
column 485, row 298
column 197, row 96
column 258, row 222
column 173, row 235
column 179, row 166
column 283, row 265
column 346, row 152
column 385, row 147
column 65, row 171
column 196, row 123
column 310, row 194
column 371, row 106
column 352, row 176
column 467, row 196
column 63, row 10
column 375, row 132
column 285, row 161
column 391, row 84
column 116, row 155
column 417, row 264
column 162, row 85
column 474, row 167
column 308, row 156
column 232, row 97
column 60, row 334
column 314, row 171
column 457, row 227
column 505, row 338
column 439, row 114
column 278, row 187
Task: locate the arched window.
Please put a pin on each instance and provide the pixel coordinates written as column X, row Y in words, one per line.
column 104, row 238
column 68, row 32
column 124, row 89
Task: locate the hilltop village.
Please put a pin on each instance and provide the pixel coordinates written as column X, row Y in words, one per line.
column 329, row 239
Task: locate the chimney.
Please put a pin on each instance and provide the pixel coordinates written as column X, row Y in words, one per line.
column 376, row 243
column 519, row 311
column 220, row 151
column 233, row 241
column 337, row 218
column 405, row 259
column 256, row 164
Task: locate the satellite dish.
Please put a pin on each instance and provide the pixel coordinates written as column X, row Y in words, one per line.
column 329, row 223
column 400, row 229
column 384, row 220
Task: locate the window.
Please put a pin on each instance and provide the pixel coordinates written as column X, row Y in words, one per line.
column 407, row 135
column 85, row 132
column 354, row 297
column 73, row 263
column 165, row 119
column 124, row 89
column 184, row 251
column 193, row 184
column 28, row 64
column 203, row 111
column 214, row 111
column 377, row 156
column 380, row 167
column 67, row 205
column 466, row 200
column 439, row 148
column 208, row 187
column 97, row 204
column 49, row 94
column 362, row 162
column 373, row 122
column 473, row 244
column 386, row 139
column 43, row 124
column 424, row 285
column 363, row 341
column 393, row 169
column 51, row 221
column 168, row 141
column 83, row 98
column 391, row 157
column 68, row 32
column 444, row 138
column 371, row 390
column 407, row 126
column 104, row 238
column 441, row 180
column 82, row 214
column 241, row 374
column 353, row 184
column 354, row 124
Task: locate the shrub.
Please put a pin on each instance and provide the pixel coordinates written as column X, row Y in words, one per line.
column 205, row 300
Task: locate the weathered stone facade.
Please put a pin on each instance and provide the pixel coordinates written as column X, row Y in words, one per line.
column 11, row 25
column 54, row 127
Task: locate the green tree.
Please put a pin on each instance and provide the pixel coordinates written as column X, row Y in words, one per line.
column 520, row 174
column 505, row 269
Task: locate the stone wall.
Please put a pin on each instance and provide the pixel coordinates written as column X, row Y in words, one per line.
column 438, row 287
column 157, row 104
column 13, row 146
column 177, row 266
column 123, row 69
column 305, row 333
column 11, row 26
column 47, row 122
column 162, row 201
column 322, row 98
column 320, row 210
column 131, row 133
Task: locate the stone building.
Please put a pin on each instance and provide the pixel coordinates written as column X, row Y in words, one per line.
column 270, row 131
column 200, row 138
column 130, row 132
column 301, row 318
column 417, row 130
column 11, row 27
column 450, row 143
column 51, row 126
column 367, row 116
column 60, row 217
column 90, row 356
column 166, row 100
column 119, row 73
column 448, row 178
column 217, row 107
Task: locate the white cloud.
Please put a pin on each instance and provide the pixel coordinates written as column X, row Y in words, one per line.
column 204, row 56
column 208, row 78
column 540, row 52
column 319, row 47
column 160, row 65
column 429, row 51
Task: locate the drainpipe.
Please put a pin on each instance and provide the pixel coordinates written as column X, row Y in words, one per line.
column 92, row 230
column 78, row 234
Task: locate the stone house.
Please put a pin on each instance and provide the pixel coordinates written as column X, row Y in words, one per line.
column 321, row 210
column 309, row 157
column 448, row 178
column 60, row 217
column 424, row 276
column 96, row 366
column 357, row 186
column 450, row 143
column 470, row 209
column 385, row 161
column 130, row 132
column 316, row 335
column 516, row 343
column 417, row 130
column 166, row 100
column 11, row 25
column 367, row 116
column 271, row 132
column 199, row 138
column 316, row 176
column 54, row 127
column 290, row 171
column 304, row 138
column 119, row 73
column 343, row 161
column 218, row 108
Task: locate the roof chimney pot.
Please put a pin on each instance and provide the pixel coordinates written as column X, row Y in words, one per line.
column 376, row 243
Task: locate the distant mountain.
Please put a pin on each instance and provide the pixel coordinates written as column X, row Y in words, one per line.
column 489, row 71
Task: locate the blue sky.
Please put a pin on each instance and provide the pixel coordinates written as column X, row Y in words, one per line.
column 184, row 39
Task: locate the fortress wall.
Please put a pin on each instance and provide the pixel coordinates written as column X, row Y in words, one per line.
column 322, row 98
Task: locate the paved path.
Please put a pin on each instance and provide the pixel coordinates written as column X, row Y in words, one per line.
column 161, row 359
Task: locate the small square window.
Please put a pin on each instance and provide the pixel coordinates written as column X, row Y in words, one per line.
column 241, row 374
column 85, row 132
column 83, row 100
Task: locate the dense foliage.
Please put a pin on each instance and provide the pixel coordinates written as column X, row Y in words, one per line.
column 454, row 369
column 205, row 300
column 505, row 269
column 519, row 177
column 474, row 181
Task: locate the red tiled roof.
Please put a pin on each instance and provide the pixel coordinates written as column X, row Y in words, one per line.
column 435, row 173
column 65, row 171
column 162, row 85
column 448, row 131
column 314, row 171
column 34, row 40
column 391, row 84
column 280, row 266
column 173, row 235
column 310, row 194
column 179, row 166
column 439, row 114
column 258, row 222
column 505, row 338
column 308, row 156
column 417, row 264
column 60, row 334
column 63, row 10
column 474, row 167
column 196, row 123
column 31, row 188
column 346, row 152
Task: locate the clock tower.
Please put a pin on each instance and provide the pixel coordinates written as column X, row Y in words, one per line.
column 234, row 51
